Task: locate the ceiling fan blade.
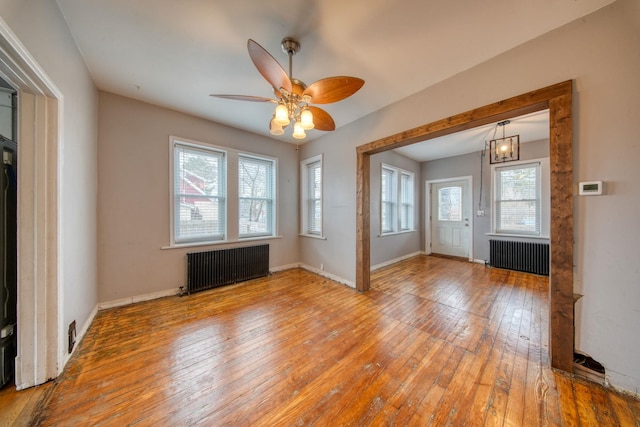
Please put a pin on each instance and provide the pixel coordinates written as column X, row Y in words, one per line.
column 268, row 67
column 245, row 98
column 321, row 119
column 333, row 89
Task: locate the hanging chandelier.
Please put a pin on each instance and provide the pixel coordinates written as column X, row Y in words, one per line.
column 505, row 149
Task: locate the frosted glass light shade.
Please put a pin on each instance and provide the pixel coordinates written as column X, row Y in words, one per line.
column 275, row 128
column 298, row 131
column 282, row 115
column 306, row 119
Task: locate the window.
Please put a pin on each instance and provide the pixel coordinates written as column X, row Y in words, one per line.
column 256, row 196
column 388, row 198
column 406, row 201
column 220, row 195
column 396, row 200
column 311, row 196
column 450, row 204
column 199, row 190
column 517, row 199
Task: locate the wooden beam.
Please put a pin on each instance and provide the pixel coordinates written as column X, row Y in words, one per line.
column 363, row 227
column 558, row 99
column 561, row 305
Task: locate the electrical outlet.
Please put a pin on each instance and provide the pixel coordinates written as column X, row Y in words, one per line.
column 481, row 213
column 72, row 335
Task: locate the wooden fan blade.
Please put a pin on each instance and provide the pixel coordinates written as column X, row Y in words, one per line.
column 268, row 67
column 321, row 119
column 333, row 89
column 245, row 98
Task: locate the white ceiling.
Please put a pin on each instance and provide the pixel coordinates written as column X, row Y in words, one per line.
column 175, row 53
column 530, row 127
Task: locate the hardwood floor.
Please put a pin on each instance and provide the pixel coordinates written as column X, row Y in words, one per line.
column 434, row 342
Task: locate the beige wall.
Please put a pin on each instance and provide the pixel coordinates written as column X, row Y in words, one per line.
column 133, row 201
column 600, row 53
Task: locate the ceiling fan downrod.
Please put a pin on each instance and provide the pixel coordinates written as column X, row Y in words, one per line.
column 290, row 46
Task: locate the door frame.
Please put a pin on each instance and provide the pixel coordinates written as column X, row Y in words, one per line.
column 40, row 348
column 558, row 99
column 427, row 210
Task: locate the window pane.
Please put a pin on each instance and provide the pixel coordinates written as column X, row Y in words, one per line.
column 518, row 200
column 314, row 206
column 406, row 202
column 450, row 204
column 388, row 203
column 256, row 194
column 199, row 189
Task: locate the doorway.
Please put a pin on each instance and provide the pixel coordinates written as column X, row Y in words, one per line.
column 448, row 219
column 40, row 348
column 8, row 233
column 558, row 100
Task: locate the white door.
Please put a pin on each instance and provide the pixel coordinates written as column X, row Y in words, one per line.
column 450, row 216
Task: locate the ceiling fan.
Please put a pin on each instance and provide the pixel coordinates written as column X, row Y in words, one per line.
column 293, row 97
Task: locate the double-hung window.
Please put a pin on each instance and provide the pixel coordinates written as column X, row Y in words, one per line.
column 518, row 199
column 199, row 193
column 396, row 200
column 256, row 196
column 311, row 196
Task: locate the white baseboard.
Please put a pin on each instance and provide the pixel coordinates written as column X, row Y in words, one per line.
column 328, row 275
column 79, row 336
column 395, row 260
column 138, row 298
column 284, row 267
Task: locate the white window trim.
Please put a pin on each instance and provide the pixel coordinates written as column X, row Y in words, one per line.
column 304, row 196
column 397, row 184
column 545, row 197
column 231, row 232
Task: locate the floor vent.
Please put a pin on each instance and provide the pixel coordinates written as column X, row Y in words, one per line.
column 206, row 270
column 520, row 256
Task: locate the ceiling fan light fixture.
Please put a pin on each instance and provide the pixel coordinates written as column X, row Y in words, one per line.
column 281, row 116
column 306, row 119
column 298, row 131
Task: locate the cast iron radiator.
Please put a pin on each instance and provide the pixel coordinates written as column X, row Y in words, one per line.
column 520, row 256
column 206, row 270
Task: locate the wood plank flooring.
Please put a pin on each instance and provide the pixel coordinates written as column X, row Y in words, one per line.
column 434, row 342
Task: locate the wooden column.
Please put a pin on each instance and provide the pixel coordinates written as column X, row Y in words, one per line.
column 561, row 308
column 363, row 226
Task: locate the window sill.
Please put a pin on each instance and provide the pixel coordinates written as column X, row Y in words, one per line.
column 218, row 242
column 395, row 233
column 313, row 236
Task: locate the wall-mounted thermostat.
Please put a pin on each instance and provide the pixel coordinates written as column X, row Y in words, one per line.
column 590, row 188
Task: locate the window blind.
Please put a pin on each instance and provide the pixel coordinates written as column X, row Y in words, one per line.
column 199, row 204
column 256, row 196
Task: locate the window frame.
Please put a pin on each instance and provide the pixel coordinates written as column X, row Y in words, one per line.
column 399, row 199
column 542, row 199
column 272, row 201
column 305, row 197
column 194, row 146
column 232, row 203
